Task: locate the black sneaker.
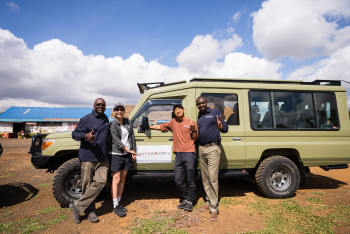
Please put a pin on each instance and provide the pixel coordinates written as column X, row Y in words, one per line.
column 188, row 206
column 123, row 208
column 182, row 205
column 118, row 210
column 76, row 213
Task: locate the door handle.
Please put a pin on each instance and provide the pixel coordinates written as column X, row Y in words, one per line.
column 236, row 138
column 170, row 139
column 139, row 139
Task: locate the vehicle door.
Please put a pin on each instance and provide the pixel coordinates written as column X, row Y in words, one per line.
column 230, row 103
column 155, row 146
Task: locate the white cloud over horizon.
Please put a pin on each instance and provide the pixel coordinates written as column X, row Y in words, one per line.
column 56, row 74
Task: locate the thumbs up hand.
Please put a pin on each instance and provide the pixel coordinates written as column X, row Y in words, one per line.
column 90, row 136
column 192, row 125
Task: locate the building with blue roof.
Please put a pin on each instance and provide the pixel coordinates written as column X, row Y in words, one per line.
column 42, row 119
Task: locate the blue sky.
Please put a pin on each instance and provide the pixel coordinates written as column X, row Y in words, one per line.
column 154, row 29
column 54, row 52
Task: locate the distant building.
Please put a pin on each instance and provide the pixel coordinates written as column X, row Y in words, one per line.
column 45, row 119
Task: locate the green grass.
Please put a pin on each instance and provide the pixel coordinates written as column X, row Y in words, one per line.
column 160, row 222
column 34, row 224
column 7, row 213
column 318, row 193
column 229, row 201
column 47, row 210
column 314, row 200
column 6, row 176
column 44, row 185
column 341, row 213
column 289, row 216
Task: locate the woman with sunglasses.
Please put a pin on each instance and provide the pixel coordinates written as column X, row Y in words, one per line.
column 123, row 153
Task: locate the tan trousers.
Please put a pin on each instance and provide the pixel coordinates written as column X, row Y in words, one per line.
column 209, row 161
column 94, row 178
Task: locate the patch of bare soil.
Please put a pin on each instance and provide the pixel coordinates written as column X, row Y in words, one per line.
column 25, row 192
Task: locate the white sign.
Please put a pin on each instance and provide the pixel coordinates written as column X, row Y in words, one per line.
column 154, row 154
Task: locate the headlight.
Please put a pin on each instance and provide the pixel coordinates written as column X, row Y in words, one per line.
column 47, row 143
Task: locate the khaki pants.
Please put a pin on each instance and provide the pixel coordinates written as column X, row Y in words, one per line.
column 94, row 178
column 210, row 160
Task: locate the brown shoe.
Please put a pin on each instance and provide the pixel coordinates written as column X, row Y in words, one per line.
column 205, row 207
column 213, row 215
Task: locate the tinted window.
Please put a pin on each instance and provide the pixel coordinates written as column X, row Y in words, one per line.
column 261, row 116
column 293, row 110
column 226, row 103
column 156, row 114
column 326, row 111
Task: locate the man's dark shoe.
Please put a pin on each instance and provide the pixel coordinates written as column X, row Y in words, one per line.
column 188, row 206
column 92, row 217
column 76, row 213
column 118, row 210
column 182, row 205
column 205, row 207
column 214, row 215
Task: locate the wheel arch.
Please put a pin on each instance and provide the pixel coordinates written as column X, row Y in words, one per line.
column 61, row 157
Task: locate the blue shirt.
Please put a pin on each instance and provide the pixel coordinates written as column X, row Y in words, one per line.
column 95, row 151
column 207, row 126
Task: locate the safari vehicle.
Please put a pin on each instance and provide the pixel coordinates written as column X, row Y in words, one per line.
column 277, row 130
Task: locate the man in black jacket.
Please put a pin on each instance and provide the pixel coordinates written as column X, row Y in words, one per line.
column 92, row 131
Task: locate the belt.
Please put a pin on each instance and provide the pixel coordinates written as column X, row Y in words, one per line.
column 210, row 144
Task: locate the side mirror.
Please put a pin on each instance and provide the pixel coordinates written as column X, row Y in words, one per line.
column 144, row 125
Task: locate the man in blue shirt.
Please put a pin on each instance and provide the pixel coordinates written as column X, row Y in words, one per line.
column 92, row 131
column 210, row 124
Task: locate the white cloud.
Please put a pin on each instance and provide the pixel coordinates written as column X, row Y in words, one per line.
column 336, row 67
column 301, row 29
column 13, row 6
column 236, row 16
column 56, row 74
column 205, row 50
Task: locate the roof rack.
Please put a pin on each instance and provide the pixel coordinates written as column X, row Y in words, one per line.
column 146, row 86
column 232, row 80
column 315, row 82
column 326, row 82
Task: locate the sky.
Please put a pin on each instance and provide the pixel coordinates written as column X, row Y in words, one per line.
column 68, row 53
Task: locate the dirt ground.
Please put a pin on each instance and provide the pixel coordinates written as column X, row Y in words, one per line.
column 25, row 193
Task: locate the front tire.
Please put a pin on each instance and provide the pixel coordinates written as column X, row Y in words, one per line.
column 67, row 184
column 277, row 177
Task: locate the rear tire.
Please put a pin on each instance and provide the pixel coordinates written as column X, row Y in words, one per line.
column 277, row 177
column 66, row 184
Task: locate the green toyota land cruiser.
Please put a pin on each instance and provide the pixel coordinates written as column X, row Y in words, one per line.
column 277, row 130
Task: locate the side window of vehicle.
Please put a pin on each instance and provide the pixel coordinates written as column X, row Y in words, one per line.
column 260, row 110
column 157, row 114
column 293, row 110
column 326, row 111
column 304, row 111
column 226, row 103
column 284, row 110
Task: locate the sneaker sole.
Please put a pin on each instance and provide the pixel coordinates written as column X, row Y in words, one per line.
column 119, row 214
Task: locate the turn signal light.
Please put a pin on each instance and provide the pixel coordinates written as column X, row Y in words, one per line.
column 47, row 143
